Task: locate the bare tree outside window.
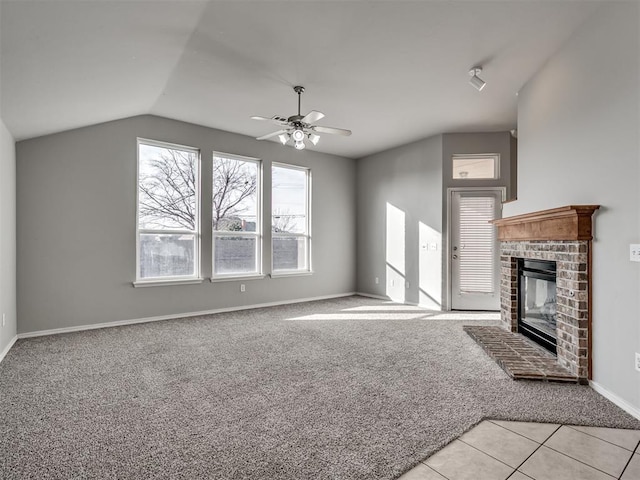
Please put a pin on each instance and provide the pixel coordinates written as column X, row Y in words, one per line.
column 290, row 244
column 234, row 193
column 283, row 221
column 236, row 216
column 168, row 235
column 167, row 190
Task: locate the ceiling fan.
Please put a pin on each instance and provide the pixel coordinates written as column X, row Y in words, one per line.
column 298, row 127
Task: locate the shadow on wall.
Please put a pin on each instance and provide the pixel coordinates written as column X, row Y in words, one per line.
column 426, row 289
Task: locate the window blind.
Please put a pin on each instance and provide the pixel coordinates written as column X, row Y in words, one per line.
column 477, row 240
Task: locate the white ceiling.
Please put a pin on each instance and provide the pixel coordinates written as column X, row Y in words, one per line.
column 391, row 71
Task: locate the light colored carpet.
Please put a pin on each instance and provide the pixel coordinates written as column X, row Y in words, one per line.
column 352, row 388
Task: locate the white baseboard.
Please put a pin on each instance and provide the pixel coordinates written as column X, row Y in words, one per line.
column 7, row 348
column 612, row 397
column 371, row 295
column 119, row 323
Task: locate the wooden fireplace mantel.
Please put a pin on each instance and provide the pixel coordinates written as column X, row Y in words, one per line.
column 572, row 222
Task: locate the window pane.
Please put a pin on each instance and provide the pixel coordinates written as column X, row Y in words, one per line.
column 235, row 195
column 235, row 255
column 289, row 200
column 167, row 255
column 469, row 167
column 289, row 253
column 167, row 186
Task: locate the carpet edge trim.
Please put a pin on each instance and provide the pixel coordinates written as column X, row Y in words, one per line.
column 134, row 321
column 615, row 399
column 8, row 347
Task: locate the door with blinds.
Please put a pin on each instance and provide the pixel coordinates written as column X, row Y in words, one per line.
column 474, row 251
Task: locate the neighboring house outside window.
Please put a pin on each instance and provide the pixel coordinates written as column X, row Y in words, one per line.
column 290, row 219
column 236, row 216
column 168, row 243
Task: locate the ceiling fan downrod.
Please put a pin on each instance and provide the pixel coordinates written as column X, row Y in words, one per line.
column 299, row 90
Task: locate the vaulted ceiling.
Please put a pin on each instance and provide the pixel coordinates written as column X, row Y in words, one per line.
column 391, row 71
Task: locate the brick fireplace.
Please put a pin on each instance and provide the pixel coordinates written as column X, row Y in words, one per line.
column 561, row 235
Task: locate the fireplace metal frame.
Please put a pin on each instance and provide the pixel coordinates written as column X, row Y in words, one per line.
column 543, row 270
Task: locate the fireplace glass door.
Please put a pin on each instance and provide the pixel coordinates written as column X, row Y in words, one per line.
column 537, row 315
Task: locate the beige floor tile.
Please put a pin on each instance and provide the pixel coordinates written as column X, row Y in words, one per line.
column 545, row 464
column 500, row 443
column 623, row 438
column 590, row 450
column 632, row 472
column 459, row 461
column 519, row 476
column 538, row 432
column 422, row 472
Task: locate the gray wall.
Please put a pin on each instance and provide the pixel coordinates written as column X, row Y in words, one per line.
column 400, row 223
column 76, row 201
column 472, row 143
column 578, row 122
column 7, row 236
column 413, row 181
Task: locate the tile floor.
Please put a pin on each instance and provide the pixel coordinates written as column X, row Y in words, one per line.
column 498, row 450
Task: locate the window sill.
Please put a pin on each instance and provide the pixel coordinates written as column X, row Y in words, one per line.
column 163, row 283
column 291, row 274
column 231, row 278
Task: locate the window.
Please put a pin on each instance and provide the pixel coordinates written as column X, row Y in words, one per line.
column 236, row 219
column 290, row 223
column 468, row 167
column 168, row 233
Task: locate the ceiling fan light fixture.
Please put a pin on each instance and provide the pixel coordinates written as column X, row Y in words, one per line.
column 313, row 138
column 299, row 145
column 297, row 135
column 475, row 80
column 284, row 138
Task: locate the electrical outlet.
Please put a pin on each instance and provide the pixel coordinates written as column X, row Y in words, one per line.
column 242, row 289
column 377, row 280
column 393, row 283
column 638, row 361
column 634, row 252
column 406, row 285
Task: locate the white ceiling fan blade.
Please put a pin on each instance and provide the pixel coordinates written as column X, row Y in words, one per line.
column 331, row 130
column 312, row 117
column 272, row 134
column 275, row 119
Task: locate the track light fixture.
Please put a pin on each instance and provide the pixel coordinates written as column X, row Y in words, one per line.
column 475, row 80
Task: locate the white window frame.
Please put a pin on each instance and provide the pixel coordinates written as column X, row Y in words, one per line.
column 259, row 223
column 474, row 156
column 306, row 236
column 168, row 280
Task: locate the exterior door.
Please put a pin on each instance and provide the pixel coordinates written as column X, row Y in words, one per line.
column 474, row 252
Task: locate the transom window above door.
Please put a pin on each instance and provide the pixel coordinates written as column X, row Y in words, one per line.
column 476, row 166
